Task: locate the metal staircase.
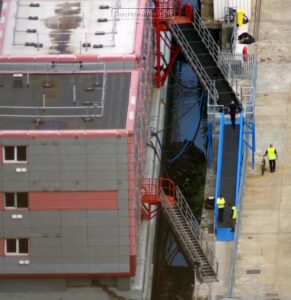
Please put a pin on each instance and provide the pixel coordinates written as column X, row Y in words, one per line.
column 207, row 60
column 198, row 252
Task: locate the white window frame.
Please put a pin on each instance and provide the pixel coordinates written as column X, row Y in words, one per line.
column 15, row 201
column 15, row 155
column 17, row 248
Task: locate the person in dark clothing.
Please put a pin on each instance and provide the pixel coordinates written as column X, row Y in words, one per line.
column 232, row 109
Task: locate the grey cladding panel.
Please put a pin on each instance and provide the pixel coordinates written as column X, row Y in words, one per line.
column 68, row 176
column 75, row 251
column 14, row 142
column 70, row 158
column 45, row 251
column 104, row 267
column 103, row 241
column 43, row 176
column 75, row 150
column 102, row 232
column 122, row 148
column 102, row 185
column 73, row 231
column 45, row 242
column 101, row 158
column 43, row 149
column 103, row 221
column 80, row 241
column 103, row 251
column 98, row 167
column 102, row 213
column 101, row 141
column 102, row 176
column 101, row 148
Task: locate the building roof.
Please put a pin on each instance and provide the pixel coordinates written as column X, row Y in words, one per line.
column 53, row 27
column 64, row 101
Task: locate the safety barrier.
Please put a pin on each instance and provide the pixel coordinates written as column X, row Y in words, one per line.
column 216, row 54
column 208, row 264
column 208, row 83
column 219, row 166
column 244, row 154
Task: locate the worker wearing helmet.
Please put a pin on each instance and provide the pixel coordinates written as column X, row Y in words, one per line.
column 272, row 156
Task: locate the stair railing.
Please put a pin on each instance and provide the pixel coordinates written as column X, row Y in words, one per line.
column 189, row 53
column 193, row 226
column 216, row 54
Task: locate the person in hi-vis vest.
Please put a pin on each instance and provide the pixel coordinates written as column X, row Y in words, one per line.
column 272, row 156
column 233, row 216
column 220, row 205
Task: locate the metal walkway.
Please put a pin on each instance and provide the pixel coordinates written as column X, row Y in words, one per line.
column 198, row 253
column 229, row 170
column 207, row 61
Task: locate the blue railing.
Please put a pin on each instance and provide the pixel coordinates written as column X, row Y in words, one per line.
column 209, row 146
column 239, row 159
column 219, row 166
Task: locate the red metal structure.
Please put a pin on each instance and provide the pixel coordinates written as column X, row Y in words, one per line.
column 167, row 11
column 152, row 191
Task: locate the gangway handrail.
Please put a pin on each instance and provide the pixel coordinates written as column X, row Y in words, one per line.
column 219, row 166
column 239, row 159
column 216, row 54
column 208, row 83
column 193, row 226
column 196, row 229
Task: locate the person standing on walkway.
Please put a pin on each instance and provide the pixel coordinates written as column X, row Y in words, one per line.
column 232, row 109
column 220, row 204
column 233, row 216
column 272, row 156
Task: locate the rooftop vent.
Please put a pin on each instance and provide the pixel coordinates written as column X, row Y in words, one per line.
column 102, row 20
column 32, row 18
column 31, row 30
column 87, row 103
column 18, row 80
column 100, row 33
column 86, row 45
column 38, row 122
column 87, row 119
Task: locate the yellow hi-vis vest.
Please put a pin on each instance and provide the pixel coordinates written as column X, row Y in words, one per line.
column 271, row 153
column 220, row 202
column 234, row 213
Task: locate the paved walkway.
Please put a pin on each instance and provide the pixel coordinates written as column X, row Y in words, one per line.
column 264, row 251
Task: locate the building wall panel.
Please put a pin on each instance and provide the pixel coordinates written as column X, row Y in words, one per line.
column 72, row 200
column 219, row 7
column 56, row 165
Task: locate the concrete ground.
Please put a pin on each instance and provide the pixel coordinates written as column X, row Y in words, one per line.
column 264, row 249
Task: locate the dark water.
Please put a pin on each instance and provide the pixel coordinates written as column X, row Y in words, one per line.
column 173, row 278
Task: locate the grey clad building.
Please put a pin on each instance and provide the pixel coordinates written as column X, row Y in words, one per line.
column 75, row 84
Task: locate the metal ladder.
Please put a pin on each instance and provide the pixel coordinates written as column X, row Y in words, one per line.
column 199, row 254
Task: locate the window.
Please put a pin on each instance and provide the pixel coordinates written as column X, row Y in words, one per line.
column 15, row 154
column 16, row 200
column 16, row 246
